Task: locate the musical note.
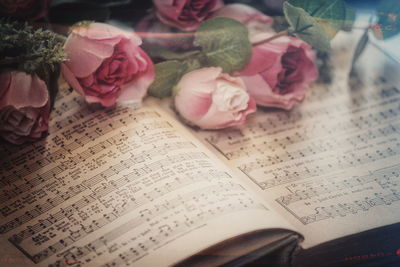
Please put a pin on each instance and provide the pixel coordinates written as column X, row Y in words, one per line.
column 161, row 233
column 93, row 172
column 317, row 194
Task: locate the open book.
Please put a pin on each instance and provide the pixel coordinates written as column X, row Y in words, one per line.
column 126, row 186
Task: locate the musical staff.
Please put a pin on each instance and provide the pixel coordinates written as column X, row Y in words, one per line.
column 161, row 232
column 87, row 184
column 115, row 170
column 67, row 147
column 278, row 148
column 387, row 178
column 353, row 207
column 68, row 239
column 332, row 157
column 378, row 188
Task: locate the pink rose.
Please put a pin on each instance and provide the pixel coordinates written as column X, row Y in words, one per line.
column 106, row 64
column 279, row 71
column 25, row 9
column 24, row 107
column 154, row 32
column 185, row 14
column 211, row 99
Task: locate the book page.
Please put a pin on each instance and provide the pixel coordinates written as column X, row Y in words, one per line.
column 332, row 164
column 117, row 187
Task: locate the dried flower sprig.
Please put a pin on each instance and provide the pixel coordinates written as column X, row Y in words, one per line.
column 28, row 49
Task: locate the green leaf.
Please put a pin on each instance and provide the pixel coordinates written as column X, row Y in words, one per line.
column 225, row 43
column 160, row 52
column 305, row 27
column 168, row 74
column 330, row 14
column 388, row 24
column 193, row 64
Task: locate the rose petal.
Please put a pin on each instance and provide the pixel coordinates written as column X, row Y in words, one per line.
column 264, row 96
column 195, row 99
column 24, row 107
column 5, row 80
column 25, row 91
column 85, row 55
column 199, row 95
column 215, row 119
column 102, row 31
column 262, row 59
column 115, row 69
column 170, row 8
column 71, row 79
column 88, row 46
column 169, row 12
column 244, row 14
column 144, row 75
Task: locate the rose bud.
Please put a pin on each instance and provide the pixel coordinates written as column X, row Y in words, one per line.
column 24, row 107
column 155, row 33
column 106, row 64
column 186, row 14
column 280, row 70
column 24, row 9
column 210, row 99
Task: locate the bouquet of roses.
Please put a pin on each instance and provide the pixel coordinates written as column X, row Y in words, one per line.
column 217, row 61
column 227, row 59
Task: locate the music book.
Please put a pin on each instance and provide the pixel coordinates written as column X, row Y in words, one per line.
column 130, row 186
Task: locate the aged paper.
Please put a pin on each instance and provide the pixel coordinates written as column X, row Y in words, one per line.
column 331, row 165
column 118, row 187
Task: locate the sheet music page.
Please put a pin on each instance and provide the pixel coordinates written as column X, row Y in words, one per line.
column 118, row 187
column 331, row 165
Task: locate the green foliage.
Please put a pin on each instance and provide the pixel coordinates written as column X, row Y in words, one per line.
column 162, row 53
column 305, row 27
column 224, row 43
column 330, row 14
column 24, row 48
column 168, row 73
column 388, row 24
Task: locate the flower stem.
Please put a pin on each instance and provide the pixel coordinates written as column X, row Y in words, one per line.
column 279, row 34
